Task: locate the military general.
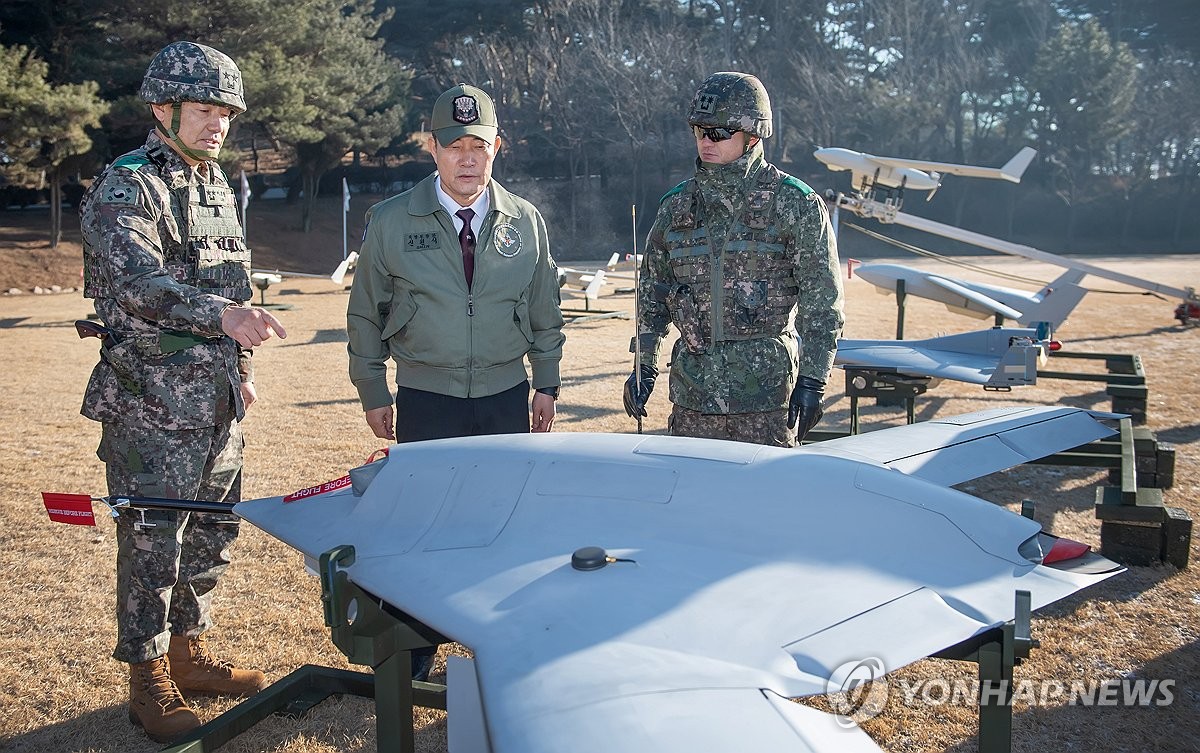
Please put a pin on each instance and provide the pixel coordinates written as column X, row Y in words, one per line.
column 167, row 267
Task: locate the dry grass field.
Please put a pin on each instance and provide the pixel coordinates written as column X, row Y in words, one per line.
column 61, row 691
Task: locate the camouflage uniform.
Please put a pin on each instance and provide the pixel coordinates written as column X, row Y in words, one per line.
column 163, row 257
column 739, row 257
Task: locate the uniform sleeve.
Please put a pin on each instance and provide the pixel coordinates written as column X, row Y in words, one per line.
column 545, row 315
column 820, row 319
column 366, row 315
column 654, row 320
column 128, row 223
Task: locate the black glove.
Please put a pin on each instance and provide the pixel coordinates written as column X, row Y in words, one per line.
column 635, row 399
column 804, row 407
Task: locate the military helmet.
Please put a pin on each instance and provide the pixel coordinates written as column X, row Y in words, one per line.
column 732, row 100
column 190, row 72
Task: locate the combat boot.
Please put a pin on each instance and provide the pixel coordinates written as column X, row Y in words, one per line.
column 155, row 703
column 197, row 671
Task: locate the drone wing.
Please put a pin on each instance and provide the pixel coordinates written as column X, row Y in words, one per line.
column 1012, row 170
column 741, row 575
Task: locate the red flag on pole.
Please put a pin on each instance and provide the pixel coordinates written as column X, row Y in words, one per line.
column 75, row 509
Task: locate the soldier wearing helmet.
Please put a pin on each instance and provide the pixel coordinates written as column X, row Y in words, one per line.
column 168, row 269
column 743, row 261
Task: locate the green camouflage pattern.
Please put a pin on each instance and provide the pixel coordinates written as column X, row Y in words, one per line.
column 756, row 250
column 732, row 100
column 191, row 72
column 168, row 563
column 163, row 257
column 768, row 427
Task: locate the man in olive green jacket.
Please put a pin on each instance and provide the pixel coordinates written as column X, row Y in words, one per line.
column 459, row 305
column 455, row 283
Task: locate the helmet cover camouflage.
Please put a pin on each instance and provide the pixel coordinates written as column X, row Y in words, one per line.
column 732, row 100
column 190, row 72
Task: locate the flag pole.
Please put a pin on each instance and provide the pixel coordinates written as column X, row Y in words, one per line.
column 244, row 200
column 345, row 211
column 637, row 294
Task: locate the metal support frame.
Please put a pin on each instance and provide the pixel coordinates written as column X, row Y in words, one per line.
column 997, row 652
column 885, row 386
column 1124, row 377
column 368, row 632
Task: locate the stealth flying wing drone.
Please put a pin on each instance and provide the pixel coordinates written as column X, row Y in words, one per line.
column 731, row 576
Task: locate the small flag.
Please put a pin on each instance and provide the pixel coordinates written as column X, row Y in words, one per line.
column 75, row 509
column 345, row 196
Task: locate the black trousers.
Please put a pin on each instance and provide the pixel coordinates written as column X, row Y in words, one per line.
column 424, row 415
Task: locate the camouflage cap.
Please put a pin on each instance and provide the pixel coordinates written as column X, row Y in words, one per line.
column 190, row 72
column 732, row 100
column 463, row 110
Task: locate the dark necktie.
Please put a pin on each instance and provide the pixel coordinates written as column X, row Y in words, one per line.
column 466, row 239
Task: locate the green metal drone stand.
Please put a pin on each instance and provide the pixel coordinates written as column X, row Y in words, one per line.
column 368, row 633
column 997, row 651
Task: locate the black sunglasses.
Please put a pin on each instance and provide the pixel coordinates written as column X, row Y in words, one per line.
column 714, row 135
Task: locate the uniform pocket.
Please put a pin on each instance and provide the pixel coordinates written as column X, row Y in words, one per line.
column 403, row 309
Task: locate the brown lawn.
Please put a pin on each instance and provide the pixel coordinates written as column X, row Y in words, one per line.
column 61, row 691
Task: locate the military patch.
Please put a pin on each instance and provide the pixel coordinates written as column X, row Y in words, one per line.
column 420, row 241
column 759, row 200
column 215, row 196
column 120, row 194
column 466, row 109
column 230, row 79
column 507, row 239
column 706, row 102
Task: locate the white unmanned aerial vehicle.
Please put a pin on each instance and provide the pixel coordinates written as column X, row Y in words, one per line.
column 1052, row 304
column 729, row 577
column 869, row 172
column 892, row 175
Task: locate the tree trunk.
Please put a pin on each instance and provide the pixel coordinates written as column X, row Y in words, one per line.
column 312, row 183
column 55, row 207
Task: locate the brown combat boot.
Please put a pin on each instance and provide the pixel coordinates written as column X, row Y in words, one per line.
column 197, row 671
column 155, row 703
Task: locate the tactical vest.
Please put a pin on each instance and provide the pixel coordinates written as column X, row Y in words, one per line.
column 743, row 290
column 213, row 256
column 216, row 258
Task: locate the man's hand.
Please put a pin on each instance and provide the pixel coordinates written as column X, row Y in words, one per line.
column 249, row 394
column 543, row 412
column 635, row 399
column 382, row 422
column 250, row 326
column 804, row 407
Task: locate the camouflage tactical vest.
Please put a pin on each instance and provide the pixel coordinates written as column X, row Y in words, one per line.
column 213, row 256
column 744, row 288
